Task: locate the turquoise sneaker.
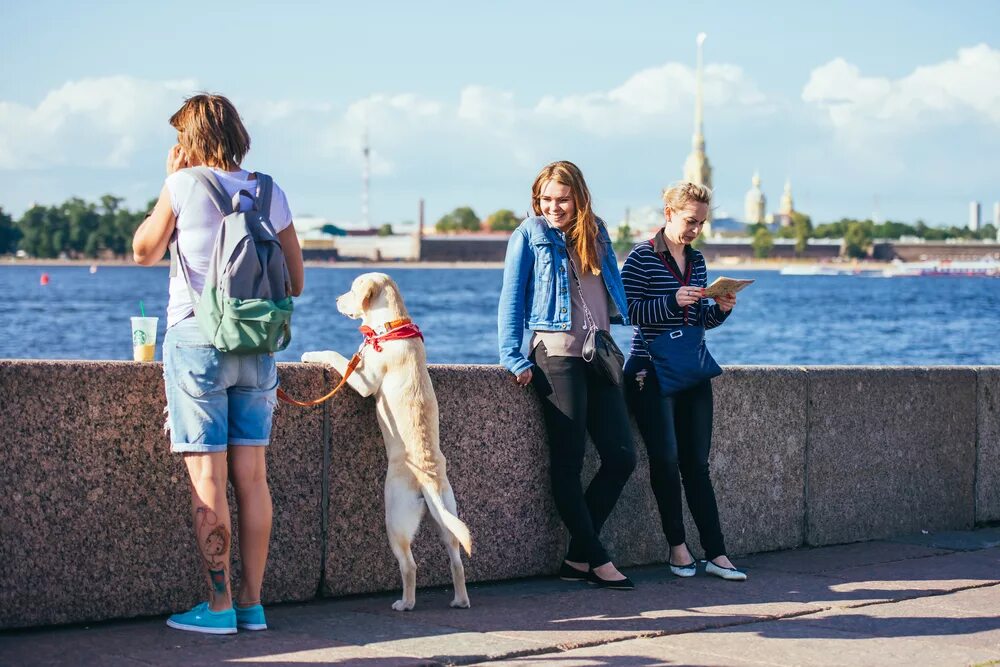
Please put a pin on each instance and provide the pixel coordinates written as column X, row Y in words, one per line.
column 250, row 618
column 203, row 619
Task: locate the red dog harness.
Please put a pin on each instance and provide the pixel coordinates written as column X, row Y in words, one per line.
column 394, row 330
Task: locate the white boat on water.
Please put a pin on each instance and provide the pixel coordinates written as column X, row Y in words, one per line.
column 945, row 267
column 809, row 270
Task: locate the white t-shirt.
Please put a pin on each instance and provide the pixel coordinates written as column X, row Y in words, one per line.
column 198, row 223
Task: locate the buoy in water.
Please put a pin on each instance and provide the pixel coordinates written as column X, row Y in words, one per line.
column 44, row 280
column 93, row 268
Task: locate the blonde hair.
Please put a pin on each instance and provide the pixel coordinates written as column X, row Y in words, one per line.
column 582, row 234
column 680, row 194
column 210, row 131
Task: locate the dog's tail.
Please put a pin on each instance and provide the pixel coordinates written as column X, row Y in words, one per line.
column 429, row 488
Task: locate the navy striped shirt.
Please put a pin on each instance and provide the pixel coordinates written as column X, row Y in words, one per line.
column 651, row 292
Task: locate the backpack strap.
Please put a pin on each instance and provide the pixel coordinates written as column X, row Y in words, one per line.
column 177, row 261
column 265, row 184
column 219, row 196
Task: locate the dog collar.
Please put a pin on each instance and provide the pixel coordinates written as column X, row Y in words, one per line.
column 385, row 328
column 394, row 330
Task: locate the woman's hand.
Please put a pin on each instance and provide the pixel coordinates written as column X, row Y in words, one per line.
column 176, row 159
column 726, row 302
column 523, row 378
column 688, row 296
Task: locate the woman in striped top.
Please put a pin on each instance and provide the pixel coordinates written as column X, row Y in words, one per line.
column 664, row 282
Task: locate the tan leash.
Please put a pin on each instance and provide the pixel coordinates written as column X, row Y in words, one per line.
column 394, row 330
column 351, row 365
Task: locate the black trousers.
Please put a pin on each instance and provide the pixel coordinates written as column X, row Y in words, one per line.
column 678, row 436
column 576, row 401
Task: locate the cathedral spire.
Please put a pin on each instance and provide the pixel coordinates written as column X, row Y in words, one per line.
column 698, row 140
column 787, row 204
column 697, row 168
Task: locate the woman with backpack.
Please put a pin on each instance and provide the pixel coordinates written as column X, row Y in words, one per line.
column 219, row 403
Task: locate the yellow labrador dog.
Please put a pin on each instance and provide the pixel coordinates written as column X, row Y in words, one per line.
column 408, row 417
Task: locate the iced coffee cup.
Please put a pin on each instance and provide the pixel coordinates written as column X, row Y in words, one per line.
column 143, row 338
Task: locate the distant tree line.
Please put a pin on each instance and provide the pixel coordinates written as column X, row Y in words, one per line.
column 75, row 229
column 857, row 235
column 464, row 219
column 81, row 229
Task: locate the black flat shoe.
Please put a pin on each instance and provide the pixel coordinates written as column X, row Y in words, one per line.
column 619, row 585
column 569, row 573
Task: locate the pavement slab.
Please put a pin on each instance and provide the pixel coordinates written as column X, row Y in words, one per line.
column 941, row 619
column 823, row 560
column 776, row 643
column 955, row 540
column 883, row 602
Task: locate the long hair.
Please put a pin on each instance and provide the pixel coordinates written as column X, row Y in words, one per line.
column 582, row 234
column 211, row 132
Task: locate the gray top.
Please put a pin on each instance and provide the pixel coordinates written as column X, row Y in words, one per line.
column 570, row 343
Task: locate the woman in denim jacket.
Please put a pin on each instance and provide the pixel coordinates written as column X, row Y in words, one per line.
column 560, row 279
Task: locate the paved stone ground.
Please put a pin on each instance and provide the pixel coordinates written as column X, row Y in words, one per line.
column 920, row 600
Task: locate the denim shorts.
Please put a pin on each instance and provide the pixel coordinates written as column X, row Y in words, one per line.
column 215, row 399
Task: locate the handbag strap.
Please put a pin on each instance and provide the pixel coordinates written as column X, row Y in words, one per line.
column 587, row 317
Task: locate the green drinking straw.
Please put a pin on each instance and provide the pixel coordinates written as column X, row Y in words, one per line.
column 142, row 309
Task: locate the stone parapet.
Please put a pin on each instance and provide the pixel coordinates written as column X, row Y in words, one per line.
column 95, row 514
column 891, row 451
column 988, row 445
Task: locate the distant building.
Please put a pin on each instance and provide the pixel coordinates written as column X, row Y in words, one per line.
column 729, row 227
column 996, row 218
column 783, row 218
column 974, row 215
column 697, row 168
column 754, row 204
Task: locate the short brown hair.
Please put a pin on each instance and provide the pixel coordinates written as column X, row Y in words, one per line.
column 682, row 193
column 211, row 132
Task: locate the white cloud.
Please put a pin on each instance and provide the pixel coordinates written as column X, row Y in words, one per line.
column 117, row 121
column 657, row 96
column 862, row 107
column 92, row 122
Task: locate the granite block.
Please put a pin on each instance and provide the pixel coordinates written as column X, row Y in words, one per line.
column 95, row 518
column 988, row 445
column 757, row 467
column 831, row 454
column 758, row 457
column 492, row 436
column 891, row 451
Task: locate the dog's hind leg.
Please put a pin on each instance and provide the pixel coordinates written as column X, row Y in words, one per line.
column 451, row 543
column 404, row 508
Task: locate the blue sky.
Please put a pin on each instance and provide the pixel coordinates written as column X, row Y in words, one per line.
column 855, row 102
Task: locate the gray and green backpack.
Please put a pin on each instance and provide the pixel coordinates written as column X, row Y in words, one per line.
column 246, row 304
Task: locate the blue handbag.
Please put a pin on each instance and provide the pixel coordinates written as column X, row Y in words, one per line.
column 681, row 359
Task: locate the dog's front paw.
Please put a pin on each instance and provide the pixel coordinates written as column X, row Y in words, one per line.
column 403, row 605
column 314, row 357
column 461, row 603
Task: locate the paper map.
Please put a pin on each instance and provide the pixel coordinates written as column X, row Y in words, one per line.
column 723, row 285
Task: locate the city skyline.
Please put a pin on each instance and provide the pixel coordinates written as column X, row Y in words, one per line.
column 894, row 104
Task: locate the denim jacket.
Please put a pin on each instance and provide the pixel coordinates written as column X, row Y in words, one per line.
column 536, row 287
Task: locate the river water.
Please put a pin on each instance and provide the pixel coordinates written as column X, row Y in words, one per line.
column 815, row 320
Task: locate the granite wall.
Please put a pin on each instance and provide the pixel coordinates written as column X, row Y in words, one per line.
column 94, row 514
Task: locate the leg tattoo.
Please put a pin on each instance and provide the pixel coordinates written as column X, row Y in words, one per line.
column 215, row 544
